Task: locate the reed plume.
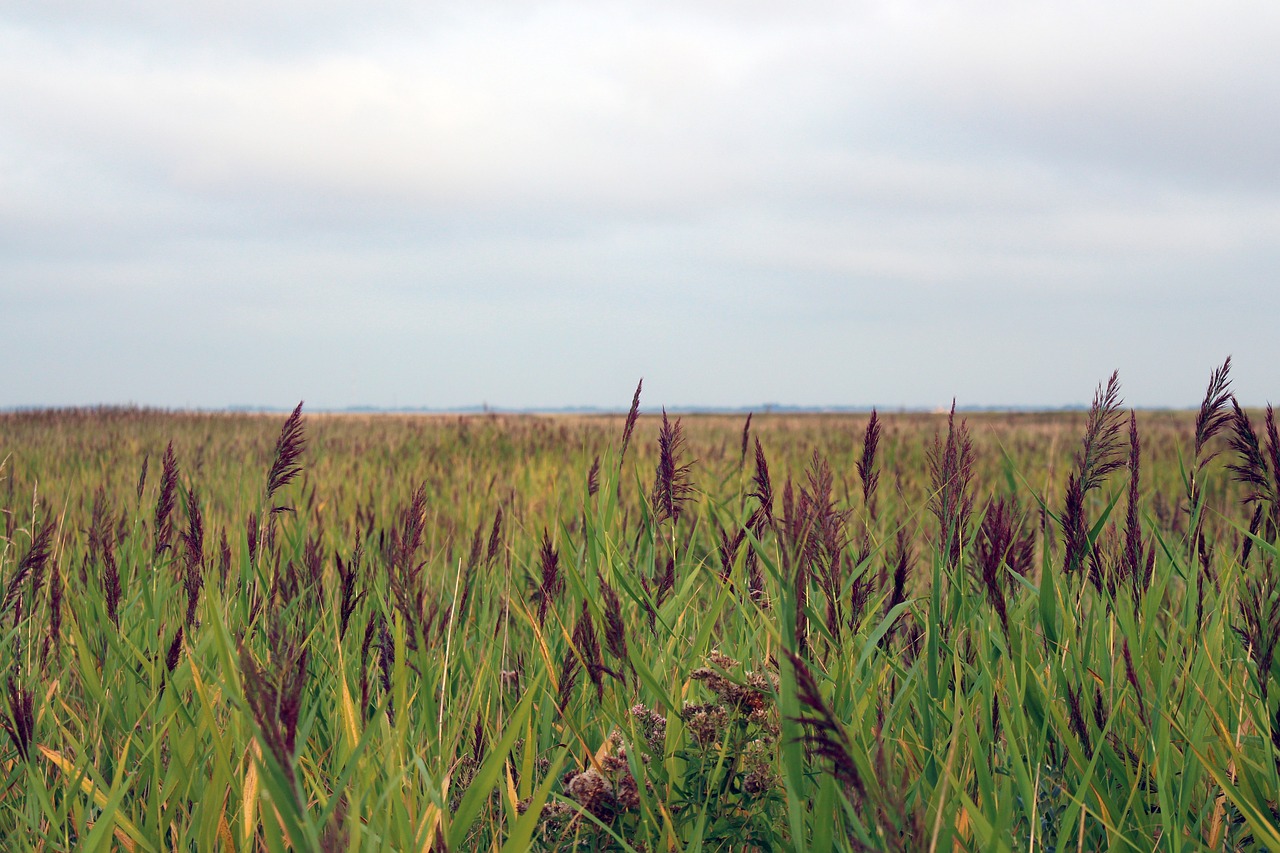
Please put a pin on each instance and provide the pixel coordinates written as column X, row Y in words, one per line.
column 951, row 468
column 671, row 485
column 551, row 583
column 1252, row 469
column 821, row 528
column 1075, row 718
column 1213, row 415
column 728, row 547
column 902, row 561
column 632, row 414
column 867, row 464
column 112, row 588
column 163, row 530
column 31, row 565
column 615, row 629
column 495, row 538
column 587, row 647
column 20, row 721
column 193, row 562
column 569, row 668
column 760, row 520
column 999, row 545
column 142, row 477
column 251, row 536
column 593, row 477
column 349, row 594
column 762, row 491
column 1135, row 569
column 1097, row 459
column 175, row 650
column 284, row 465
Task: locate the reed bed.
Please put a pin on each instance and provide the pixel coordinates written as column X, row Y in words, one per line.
column 780, row 632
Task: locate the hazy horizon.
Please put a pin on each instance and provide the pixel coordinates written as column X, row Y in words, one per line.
column 873, row 204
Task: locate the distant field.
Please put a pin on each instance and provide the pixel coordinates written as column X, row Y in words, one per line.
column 805, row 632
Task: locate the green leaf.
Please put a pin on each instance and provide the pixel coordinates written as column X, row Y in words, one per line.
column 486, row 778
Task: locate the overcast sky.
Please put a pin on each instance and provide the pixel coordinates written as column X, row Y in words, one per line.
column 535, row 204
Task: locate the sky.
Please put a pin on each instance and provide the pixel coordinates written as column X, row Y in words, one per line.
column 529, row 204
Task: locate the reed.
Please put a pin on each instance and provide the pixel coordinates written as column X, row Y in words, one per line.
column 510, row 633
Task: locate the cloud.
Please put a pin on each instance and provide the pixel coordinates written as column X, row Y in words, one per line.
column 663, row 177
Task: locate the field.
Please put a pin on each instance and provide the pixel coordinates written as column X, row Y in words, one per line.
column 913, row 632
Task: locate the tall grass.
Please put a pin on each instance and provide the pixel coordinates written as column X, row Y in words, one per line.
column 814, row 633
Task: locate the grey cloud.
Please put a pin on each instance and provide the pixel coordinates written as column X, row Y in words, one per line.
column 535, row 203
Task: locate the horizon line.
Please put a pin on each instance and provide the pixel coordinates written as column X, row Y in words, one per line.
column 486, row 409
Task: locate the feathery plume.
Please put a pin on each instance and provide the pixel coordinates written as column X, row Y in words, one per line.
column 31, row 564
column 867, row 464
column 671, row 486
column 495, row 538
column 763, row 493
column 593, row 477
column 112, row 588
column 615, row 630
column 1076, row 719
column 1213, row 414
column 348, row 574
column 552, row 583
column 1251, row 469
column 284, row 467
column 587, row 647
column 1100, row 452
column 569, row 668
column 1098, row 457
column 193, row 539
column 630, row 424
column 142, row 476
column 997, row 541
column 951, row 467
column 163, row 531
column 175, row 650
column 1212, row 418
column 728, row 548
column 20, row 721
column 1132, row 562
column 902, row 562
column 251, row 536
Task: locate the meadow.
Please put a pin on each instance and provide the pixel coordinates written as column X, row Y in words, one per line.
column 784, row 632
